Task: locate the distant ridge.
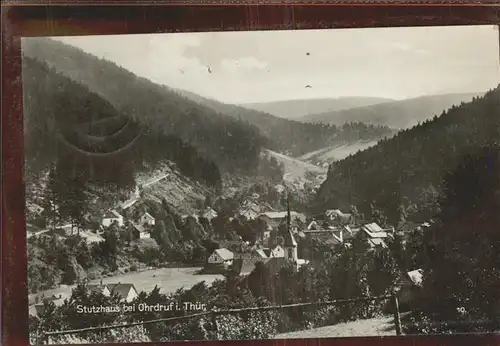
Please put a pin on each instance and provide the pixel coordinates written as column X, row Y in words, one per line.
column 295, row 109
column 406, row 172
column 396, row 114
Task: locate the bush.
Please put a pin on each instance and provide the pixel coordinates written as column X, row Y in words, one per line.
column 259, row 325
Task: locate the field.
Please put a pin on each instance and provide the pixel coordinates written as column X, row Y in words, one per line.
column 295, row 169
column 336, row 153
column 167, row 279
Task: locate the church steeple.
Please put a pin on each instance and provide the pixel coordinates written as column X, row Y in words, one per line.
column 288, row 214
column 290, row 243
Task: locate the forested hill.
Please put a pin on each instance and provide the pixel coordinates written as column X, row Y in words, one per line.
column 293, row 137
column 203, row 123
column 296, row 109
column 75, row 131
column 396, row 114
column 229, row 142
column 403, row 175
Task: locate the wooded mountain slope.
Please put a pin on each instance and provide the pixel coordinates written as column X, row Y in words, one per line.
column 229, row 142
column 293, row 137
column 403, row 175
column 206, row 124
column 396, row 114
column 295, row 109
column 71, row 127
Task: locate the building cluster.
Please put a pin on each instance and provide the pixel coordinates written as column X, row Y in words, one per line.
column 126, row 292
column 333, row 227
column 140, row 227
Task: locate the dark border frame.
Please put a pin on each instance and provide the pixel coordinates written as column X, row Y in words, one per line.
column 86, row 18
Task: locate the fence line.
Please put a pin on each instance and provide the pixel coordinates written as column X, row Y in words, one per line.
column 214, row 313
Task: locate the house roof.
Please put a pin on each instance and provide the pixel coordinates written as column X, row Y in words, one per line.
column 209, row 213
column 148, row 215
column 267, row 252
column 111, row 214
column 277, row 246
column 225, row 254
column 337, row 212
column 313, row 225
column 416, row 276
column 129, row 203
column 349, row 233
column 289, row 239
column 374, row 230
column 373, row 227
column 280, row 214
column 138, row 227
column 121, row 289
column 261, row 253
column 96, row 288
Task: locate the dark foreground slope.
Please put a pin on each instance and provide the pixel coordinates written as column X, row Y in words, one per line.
column 403, row 175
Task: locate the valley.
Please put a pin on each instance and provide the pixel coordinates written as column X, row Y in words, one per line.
column 326, row 156
column 142, row 193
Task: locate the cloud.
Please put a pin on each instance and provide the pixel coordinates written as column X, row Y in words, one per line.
column 244, row 64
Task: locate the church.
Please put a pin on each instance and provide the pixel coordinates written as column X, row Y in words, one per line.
column 289, row 245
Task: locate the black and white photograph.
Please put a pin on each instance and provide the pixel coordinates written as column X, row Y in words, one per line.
column 262, row 184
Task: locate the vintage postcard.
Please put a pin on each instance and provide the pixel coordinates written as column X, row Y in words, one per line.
column 262, row 184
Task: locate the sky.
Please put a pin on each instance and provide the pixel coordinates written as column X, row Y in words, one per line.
column 265, row 66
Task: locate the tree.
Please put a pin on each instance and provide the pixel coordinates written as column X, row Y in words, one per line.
column 462, row 264
column 52, row 198
column 378, row 216
column 74, row 201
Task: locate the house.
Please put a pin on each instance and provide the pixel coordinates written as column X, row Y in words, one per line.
column 338, row 217
column 313, row 226
column 126, row 292
column 91, row 238
column 139, row 232
column 209, row 214
column 112, row 217
column 221, row 257
column 34, row 208
column 250, row 212
column 100, row 288
column 277, row 252
column 291, row 254
column 375, row 229
column 129, row 203
column 40, row 307
column 147, row 219
column 276, row 218
column 258, row 254
column 409, row 287
column 375, row 235
column 349, row 233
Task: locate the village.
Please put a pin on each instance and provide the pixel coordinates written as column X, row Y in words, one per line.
column 280, row 234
